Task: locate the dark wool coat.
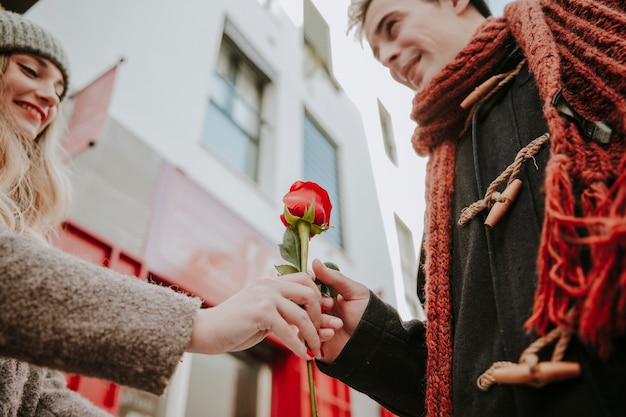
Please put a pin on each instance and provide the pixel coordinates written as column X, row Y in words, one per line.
column 59, row 312
column 492, row 287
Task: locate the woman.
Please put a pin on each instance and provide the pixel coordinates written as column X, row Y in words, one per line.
column 59, row 312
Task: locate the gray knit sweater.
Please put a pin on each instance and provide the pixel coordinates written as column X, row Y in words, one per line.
column 59, row 312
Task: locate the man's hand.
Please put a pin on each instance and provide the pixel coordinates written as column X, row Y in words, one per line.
column 349, row 306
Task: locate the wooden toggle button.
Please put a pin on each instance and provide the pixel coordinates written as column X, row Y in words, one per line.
column 500, row 207
column 480, row 91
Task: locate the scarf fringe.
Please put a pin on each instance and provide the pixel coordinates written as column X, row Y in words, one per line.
column 581, row 263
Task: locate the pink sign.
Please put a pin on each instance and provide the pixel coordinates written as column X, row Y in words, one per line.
column 198, row 244
column 91, row 105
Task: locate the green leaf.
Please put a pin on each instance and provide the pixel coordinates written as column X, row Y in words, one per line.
column 327, row 289
column 290, row 248
column 331, row 266
column 291, row 219
column 286, row 269
column 309, row 215
column 317, row 229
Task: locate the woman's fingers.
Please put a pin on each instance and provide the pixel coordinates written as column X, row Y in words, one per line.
column 301, row 290
column 302, row 341
column 296, row 301
column 268, row 305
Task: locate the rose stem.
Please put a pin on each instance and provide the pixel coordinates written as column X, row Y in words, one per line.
column 304, row 233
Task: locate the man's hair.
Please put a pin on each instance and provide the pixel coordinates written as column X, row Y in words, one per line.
column 358, row 9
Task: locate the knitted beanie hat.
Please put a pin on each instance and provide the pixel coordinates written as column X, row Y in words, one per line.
column 18, row 34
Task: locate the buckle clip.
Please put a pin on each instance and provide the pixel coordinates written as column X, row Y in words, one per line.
column 598, row 132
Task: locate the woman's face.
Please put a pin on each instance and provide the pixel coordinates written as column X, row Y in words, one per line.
column 33, row 87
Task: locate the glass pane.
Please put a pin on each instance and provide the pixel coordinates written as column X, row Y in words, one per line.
column 221, row 93
column 223, row 61
column 227, row 386
column 247, row 118
column 228, row 141
column 247, row 85
column 320, row 166
column 251, row 160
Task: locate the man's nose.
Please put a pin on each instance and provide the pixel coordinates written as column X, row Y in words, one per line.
column 388, row 54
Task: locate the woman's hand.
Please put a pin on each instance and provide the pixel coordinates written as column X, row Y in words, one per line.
column 289, row 306
column 349, row 306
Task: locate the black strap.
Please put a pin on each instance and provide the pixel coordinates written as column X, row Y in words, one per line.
column 598, row 132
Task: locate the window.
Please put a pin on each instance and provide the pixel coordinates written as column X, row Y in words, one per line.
column 233, row 122
column 408, row 263
column 317, row 35
column 318, row 56
column 320, row 166
column 239, row 385
column 387, row 131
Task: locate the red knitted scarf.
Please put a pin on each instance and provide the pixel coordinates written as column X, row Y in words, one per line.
column 580, row 46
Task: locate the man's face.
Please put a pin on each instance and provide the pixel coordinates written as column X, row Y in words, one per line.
column 415, row 39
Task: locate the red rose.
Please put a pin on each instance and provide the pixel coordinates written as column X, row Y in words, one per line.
column 306, row 214
column 298, row 205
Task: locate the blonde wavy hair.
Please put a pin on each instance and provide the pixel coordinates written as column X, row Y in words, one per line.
column 35, row 194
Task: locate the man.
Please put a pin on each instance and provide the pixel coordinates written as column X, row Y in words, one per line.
column 523, row 275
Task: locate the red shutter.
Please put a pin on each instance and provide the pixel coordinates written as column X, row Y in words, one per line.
column 85, row 245
column 290, row 391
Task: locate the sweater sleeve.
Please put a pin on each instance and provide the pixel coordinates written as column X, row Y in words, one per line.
column 386, row 359
column 56, row 400
column 64, row 313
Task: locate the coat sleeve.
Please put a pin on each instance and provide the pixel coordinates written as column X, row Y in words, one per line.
column 64, row 313
column 386, row 359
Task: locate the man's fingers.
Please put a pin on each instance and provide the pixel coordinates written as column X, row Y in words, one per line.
column 330, row 326
column 331, row 322
column 348, row 288
column 327, row 303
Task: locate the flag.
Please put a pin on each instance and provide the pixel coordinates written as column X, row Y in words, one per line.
column 89, row 113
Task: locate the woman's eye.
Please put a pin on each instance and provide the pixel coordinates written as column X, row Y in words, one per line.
column 28, row 70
